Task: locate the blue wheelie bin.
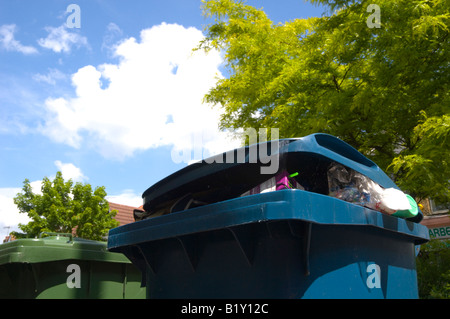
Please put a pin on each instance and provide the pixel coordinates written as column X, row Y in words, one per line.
column 199, row 237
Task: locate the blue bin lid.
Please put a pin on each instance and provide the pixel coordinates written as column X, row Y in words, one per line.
column 218, row 178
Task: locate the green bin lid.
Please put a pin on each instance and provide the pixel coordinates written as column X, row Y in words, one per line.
column 57, row 247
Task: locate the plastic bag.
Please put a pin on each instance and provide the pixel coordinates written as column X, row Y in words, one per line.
column 280, row 181
column 351, row 186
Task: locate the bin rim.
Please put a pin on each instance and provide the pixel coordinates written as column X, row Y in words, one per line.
column 289, row 204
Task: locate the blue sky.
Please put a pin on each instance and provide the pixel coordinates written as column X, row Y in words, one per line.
column 111, row 102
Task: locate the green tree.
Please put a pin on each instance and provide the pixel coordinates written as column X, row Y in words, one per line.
column 64, row 207
column 433, row 270
column 384, row 90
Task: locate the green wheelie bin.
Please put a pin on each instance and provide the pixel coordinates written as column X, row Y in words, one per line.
column 63, row 267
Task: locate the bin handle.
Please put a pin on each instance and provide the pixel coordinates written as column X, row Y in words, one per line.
column 56, row 234
column 341, row 148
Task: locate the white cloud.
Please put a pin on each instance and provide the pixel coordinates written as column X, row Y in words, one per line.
column 61, row 40
column 8, row 42
column 51, row 77
column 112, row 34
column 152, row 97
column 61, row 126
column 9, row 213
column 70, row 171
column 10, row 218
column 127, row 197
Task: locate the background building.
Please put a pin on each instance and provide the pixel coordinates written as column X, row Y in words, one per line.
column 437, row 219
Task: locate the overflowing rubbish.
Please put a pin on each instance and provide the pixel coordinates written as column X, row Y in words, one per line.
column 351, row 186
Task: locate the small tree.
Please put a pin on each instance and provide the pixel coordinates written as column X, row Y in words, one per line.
column 68, row 208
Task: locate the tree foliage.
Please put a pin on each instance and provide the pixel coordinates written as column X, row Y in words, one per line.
column 433, row 270
column 383, row 90
column 64, row 207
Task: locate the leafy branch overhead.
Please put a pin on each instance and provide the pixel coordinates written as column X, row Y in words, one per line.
column 383, row 90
